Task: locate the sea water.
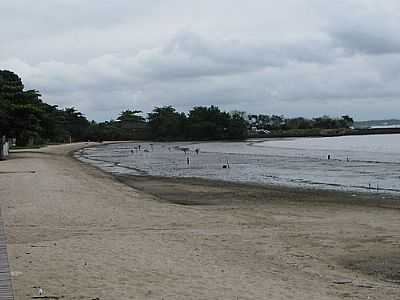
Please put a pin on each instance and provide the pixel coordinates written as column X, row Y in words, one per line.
column 368, row 163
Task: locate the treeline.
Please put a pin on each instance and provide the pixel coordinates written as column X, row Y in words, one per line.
column 24, row 116
column 279, row 123
column 166, row 124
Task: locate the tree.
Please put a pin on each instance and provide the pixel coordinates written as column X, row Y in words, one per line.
column 299, row 123
column 347, row 121
column 207, row 123
column 74, row 123
column 11, row 88
column 166, row 123
column 237, row 128
column 130, row 116
column 21, row 112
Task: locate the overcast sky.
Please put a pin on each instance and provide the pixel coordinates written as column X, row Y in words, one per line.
column 292, row 57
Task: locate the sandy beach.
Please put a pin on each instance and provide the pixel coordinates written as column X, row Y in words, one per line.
column 80, row 233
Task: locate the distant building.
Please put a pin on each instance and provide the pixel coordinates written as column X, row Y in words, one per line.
column 254, row 132
column 265, row 121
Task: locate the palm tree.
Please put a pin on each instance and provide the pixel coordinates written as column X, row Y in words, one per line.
column 130, row 116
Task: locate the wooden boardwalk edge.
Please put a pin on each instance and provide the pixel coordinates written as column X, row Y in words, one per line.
column 6, row 291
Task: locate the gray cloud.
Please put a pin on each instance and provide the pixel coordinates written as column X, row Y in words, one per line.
column 367, row 42
column 368, row 27
column 296, row 57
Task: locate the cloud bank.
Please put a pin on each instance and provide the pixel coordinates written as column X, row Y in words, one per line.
column 295, row 58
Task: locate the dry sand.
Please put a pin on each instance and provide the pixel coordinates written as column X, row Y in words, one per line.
column 81, row 234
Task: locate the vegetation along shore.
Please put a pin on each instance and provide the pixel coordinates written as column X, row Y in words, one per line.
column 26, row 118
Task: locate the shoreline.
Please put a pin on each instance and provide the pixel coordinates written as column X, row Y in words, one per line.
column 339, row 132
column 80, row 233
column 363, row 194
column 275, row 192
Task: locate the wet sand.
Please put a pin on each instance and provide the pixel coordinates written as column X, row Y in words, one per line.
column 82, row 234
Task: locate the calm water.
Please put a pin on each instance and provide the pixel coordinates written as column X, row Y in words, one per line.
column 357, row 162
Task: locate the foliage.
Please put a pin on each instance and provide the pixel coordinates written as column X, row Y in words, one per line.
column 237, row 128
column 166, row 123
column 280, row 123
column 25, row 116
column 130, row 116
column 74, row 123
column 210, row 123
column 202, row 123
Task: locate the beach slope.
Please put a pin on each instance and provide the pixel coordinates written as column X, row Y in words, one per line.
column 79, row 233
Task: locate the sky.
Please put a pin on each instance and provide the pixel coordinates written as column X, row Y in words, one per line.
column 292, row 57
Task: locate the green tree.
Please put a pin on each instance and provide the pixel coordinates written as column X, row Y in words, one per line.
column 130, row 116
column 11, row 88
column 207, row 123
column 237, row 128
column 166, row 123
column 74, row 123
column 347, row 121
column 298, row 123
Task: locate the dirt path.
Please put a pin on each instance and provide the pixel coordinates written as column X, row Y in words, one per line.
column 80, row 234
